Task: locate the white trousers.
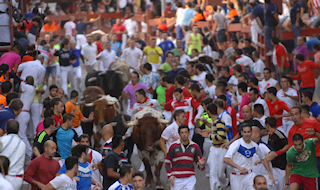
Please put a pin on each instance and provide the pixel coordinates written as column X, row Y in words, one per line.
column 16, row 182
column 254, row 31
column 77, row 72
column 187, row 183
column 58, row 68
column 207, row 144
column 90, row 68
column 66, row 74
column 287, row 126
column 280, row 177
column 242, row 182
column 35, row 112
column 79, row 133
column 155, row 66
column 23, row 119
column 217, row 167
column 81, row 40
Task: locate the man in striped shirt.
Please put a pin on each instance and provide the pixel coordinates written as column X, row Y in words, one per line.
column 218, row 136
column 179, row 161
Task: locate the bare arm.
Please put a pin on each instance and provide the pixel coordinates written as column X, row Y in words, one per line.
column 189, row 40
column 111, row 173
column 1, row 132
column 288, row 172
column 48, row 187
column 162, row 145
column 36, row 152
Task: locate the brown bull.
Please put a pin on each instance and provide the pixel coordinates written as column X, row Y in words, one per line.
column 105, row 109
column 146, row 135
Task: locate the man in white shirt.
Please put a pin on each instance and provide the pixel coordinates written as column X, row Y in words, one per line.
column 131, row 25
column 183, row 57
column 211, row 88
column 242, row 59
column 4, row 183
column 290, row 97
column 96, row 157
column 90, row 51
column 170, row 133
column 267, row 82
column 70, row 28
column 240, row 157
column 34, row 69
column 66, row 181
column 108, row 56
column 258, row 65
column 14, row 149
column 132, row 55
column 150, row 79
column 255, row 99
column 28, row 92
column 200, row 75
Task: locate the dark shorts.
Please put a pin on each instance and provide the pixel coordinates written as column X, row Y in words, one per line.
column 51, row 70
column 307, row 182
column 221, row 36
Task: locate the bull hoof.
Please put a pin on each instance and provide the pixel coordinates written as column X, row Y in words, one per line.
column 159, row 187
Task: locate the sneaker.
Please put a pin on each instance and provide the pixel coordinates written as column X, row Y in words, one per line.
column 80, row 89
column 69, row 85
column 269, row 53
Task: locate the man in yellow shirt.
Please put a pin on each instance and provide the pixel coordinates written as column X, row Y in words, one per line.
column 71, row 107
column 153, row 53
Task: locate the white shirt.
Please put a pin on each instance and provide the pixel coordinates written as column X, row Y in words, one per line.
column 32, row 68
column 290, row 102
column 14, row 149
column 96, row 159
column 5, row 184
column 226, row 117
column 201, row 79
column 171, row 134
column 122, row 4
column 264, row 85
column 258, row 67
column 119, row 186
column 69, row 26
column 264, row 104
column 27, row 96
column 241, row 153
column 211, row 91
column 131, row 26
column 107, row 58
column 245, row 60
column 64, row 182
column 208, row 51
column 233, row 80
column 90, row 52
column 260, row 169
column 179, row 14
column 183, row 60
column 132, row 56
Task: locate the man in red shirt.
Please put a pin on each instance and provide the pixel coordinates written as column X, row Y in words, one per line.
column 305, row 73
column 119, row 29
column 281, row 57
column 189, row 105
column 276, row 107
column 179, row 82
column 167, row 82
column 58, row 107
column 196, row 92
column 43, row 168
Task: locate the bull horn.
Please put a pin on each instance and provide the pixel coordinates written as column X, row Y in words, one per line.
column 102, row 73
column 89, row 104
column 92, row 79
column 133, row 68
column 110, row 103
column 127, row 125
column 119, row 72
column 113, row 124
column 163, row 121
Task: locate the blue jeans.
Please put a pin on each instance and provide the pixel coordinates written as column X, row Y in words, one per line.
column 296, row 32
column 179, row 32
column 267, row 34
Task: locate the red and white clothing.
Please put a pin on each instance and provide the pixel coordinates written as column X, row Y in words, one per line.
column 170, row 133
column 70, row 27
column 244, row 60
column 233, row 115
column 277, row 108
column 265, row 84
column 305, row 73
column 152, row 103
column 280, row 51
column 188, row 105
column 95, row 158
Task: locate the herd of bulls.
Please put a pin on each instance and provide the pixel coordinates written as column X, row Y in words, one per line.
column 101, row 97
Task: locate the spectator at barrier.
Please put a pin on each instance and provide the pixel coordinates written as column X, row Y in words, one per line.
column 271, row 21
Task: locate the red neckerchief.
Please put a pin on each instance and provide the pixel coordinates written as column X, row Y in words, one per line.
column 90, row 156
column 238, row 57
column 145, row 100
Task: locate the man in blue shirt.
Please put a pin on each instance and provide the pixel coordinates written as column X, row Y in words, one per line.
column 64, row 135
column 76, row 67
column 258, row 19
column 165, row 45
column 306, row 98
column 11, row 112
column 82, row 30
column 295, row 18
column 84, row 170
column 271, row 21
column 188, row 14
column 115, row 45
